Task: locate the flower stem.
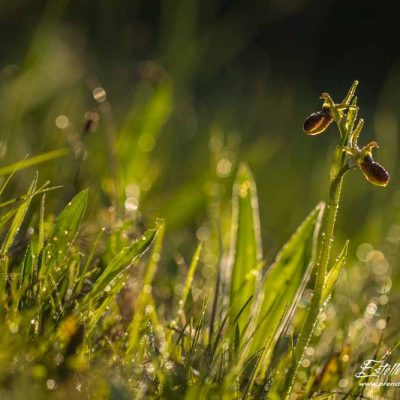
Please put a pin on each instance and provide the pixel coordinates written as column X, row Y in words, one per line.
column 326, row 238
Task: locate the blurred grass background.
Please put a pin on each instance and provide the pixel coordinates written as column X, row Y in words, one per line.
column 179, row 92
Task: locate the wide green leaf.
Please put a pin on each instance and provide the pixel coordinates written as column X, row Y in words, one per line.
column 284, row 282
column 66, row 228
column 246, row 253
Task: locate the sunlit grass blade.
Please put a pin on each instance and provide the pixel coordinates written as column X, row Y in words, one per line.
column 11, row 234
column 145, row 297
column 197, row 333
column 118, row 264
column 6, row 182
column 32, row 161
column 112, row 278
column 18, row 219
column 85, row 269
column 66, row 228
column 245, row 253
column 189, row 278
column 284, row 282
column 333, row 274
column 40, row 241
column 15, row 200
column 27, row 266
column 7, row 216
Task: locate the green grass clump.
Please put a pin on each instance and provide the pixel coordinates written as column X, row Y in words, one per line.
column 83, row 314
column 67, row 316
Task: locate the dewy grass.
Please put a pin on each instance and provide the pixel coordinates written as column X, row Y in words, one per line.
column 344, row 115
column 90, row 318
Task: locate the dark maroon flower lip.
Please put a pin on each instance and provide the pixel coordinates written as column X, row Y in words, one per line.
column 317, row 122
column 374, row 172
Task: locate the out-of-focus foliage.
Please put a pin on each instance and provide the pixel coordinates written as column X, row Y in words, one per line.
column 151, row 106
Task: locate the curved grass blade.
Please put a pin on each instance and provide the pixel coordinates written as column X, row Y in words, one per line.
column 145, row 296
column 119, row 263
column 110, row 282
column 18, row 219
column 333, row 275
column 10, row 237
column 30, row 162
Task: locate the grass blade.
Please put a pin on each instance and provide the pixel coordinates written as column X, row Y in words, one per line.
column 145, row 296
column 18, row 219
column 126, row 258
column 189, row 277
column 66, row 228
column 30, row 162
column 333, row 275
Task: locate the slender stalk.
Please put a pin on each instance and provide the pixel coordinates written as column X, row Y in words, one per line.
column 322, row 268
column 339, row 167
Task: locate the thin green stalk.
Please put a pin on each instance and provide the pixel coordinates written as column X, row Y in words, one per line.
column 322, row 268
column 339, row 168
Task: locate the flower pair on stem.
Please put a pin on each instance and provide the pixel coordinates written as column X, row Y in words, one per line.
column 347, row 156
column 319, row 121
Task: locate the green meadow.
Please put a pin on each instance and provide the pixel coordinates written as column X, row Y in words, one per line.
column 176, row 223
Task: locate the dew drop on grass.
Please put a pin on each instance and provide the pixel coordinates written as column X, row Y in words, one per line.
column 371, row 309
column 51, row 384
column 147, row 289
column 78, row 386
column 58, row 359
column 381, row 324
column 310, row 351
column 62, row 122
column 169, row 365
column 149, row 309
column 224, row 167
column 13, row 326
column 99, row 94
column 343, row 383
column 150, row 368
column 383, row 299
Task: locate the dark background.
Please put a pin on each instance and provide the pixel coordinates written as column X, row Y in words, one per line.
column 248, row 72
